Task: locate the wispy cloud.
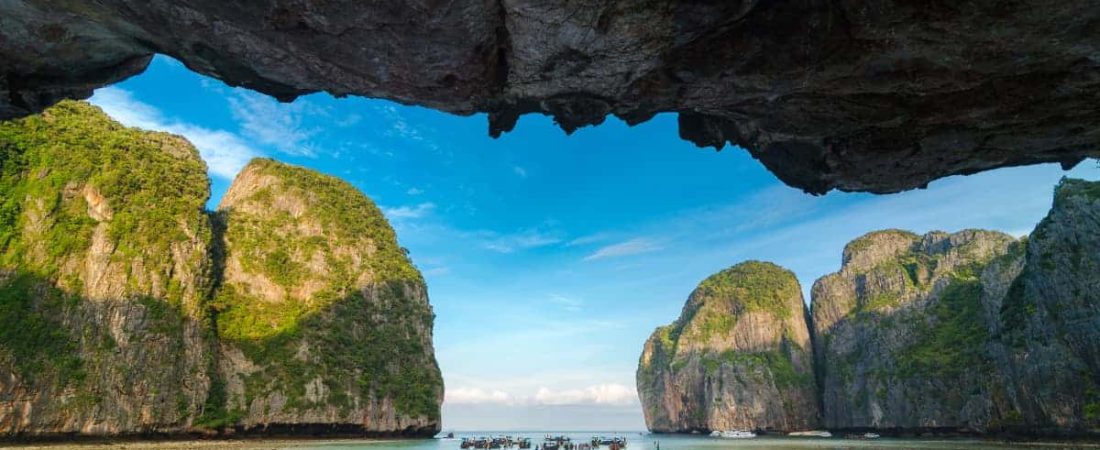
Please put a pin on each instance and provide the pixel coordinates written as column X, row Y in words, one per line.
column 409, row 212
column 436, row 271
column 523, row 240
column 400, row 128
column 276, row 124
column 519, row 171
column 225, row 153
column 571, row 304
column 414, row 191
column 349, row 120
column 632, row 247
column 588, row 239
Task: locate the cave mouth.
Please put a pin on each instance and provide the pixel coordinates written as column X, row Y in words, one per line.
column 515, row 216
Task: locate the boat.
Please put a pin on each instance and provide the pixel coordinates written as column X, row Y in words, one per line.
column 814, row 433
column 733, row 434
column 614, row 442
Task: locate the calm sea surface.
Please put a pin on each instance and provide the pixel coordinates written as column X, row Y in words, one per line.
column 639, row 441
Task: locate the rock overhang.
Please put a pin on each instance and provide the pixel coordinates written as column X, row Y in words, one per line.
column 850, row 95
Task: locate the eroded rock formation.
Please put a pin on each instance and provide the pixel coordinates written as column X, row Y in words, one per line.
column 324, row 321
column 902, row 331
column 127, row 309
column 974, row 331
column 739, row 357
column 853, row 95
column 970, row 332
column 103, row 277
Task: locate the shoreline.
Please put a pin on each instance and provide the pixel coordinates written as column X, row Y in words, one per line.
column 195, row 440
column 188, row 444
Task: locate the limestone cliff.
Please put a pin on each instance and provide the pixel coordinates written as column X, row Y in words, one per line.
column 901, row 332
column 103, row 273
column 126, row 308
column 739, row 357
column 973, row 331
column 1048, row 332
column 324, row 321
column 970, row 332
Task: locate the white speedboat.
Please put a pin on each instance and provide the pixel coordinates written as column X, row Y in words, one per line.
column 733, row 434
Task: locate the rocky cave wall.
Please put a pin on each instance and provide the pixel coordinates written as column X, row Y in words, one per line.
column 852, row 95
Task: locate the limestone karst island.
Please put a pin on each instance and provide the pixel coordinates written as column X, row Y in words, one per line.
column 557, row 225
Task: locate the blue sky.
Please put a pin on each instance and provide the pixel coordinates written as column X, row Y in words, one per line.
column 550, row 258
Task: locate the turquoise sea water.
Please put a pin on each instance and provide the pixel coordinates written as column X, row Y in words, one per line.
column 640, row 441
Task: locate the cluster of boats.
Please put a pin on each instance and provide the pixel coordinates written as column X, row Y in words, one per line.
column 495, row 442
column 550, row 443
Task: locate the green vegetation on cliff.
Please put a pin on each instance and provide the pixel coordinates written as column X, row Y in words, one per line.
column 743, row 339
column 149, row 182
column 114, row 287
column 953, row 340
column 340, row 285
column 63, row 175
column 31, row 339
column 752, row 286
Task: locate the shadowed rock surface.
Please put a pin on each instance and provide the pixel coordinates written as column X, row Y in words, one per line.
column 852, row 94
column 974, row 331
column 127, row 309
column 901, row 331
column 1049, row 328
column 738, row 358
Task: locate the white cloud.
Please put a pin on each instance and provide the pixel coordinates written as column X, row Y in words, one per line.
column 602, row 394
column 608, row 394
column 475, row 396
column 270, row 122
column 414, row 191
column 225, row 153
column 519, row 171
column 631, row 247
column 409, row 212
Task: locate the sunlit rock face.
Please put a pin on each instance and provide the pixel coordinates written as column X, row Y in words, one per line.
column 126, row 309
column 852, row 95
column 323, row 319
column 738, row 358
